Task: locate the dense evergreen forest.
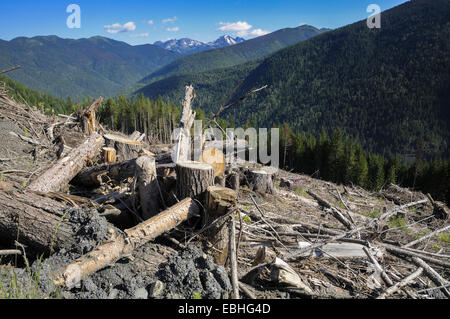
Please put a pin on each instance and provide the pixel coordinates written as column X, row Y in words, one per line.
column 388, row 87
column 330, row 155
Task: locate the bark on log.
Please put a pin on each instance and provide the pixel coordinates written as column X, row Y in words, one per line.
column 283, row 274
column 126, row 148
column 336, row 213
column 123, row 244
column 220, row 201
column 35, row 221
column 59, row 175
column 89, row 123
column 148, row 187
column 233, row 181
column 401, row 284
column 182, row 147
column 91, row 176
column 193, row 180
column 433, row 275
column 233, row 258
column 261, row 181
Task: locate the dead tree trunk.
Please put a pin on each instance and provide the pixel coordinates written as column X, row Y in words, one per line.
column 220, row 202
column 59, row 175
column 193, row 179
column 123, row 244
column 89, row 123
column 183, row 140
column 148, row 186
column 261, row 181
column 35, row 221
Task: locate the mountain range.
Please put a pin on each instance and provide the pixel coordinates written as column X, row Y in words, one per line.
column 236, row 54
column 80, row 68
column 188, row 46
column 387, row 87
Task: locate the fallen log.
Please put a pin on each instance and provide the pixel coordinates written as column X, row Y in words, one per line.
column 336, row 213
column 432, row 274
column 57, row 177
column 35, row 221
column 415, row 242
column 355, row 230
column 283, row 274
column 193, row 179
column 401, row 284
column 400, row 251
column 123, row 244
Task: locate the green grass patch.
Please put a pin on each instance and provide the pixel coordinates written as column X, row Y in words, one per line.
column 299, row 191
column 398, row 222
column 197, row 295
column 373, row 214
column 444, row 237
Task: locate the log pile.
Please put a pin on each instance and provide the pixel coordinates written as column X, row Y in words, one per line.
column 273, row 231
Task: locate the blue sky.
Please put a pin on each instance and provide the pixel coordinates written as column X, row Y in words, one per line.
column 129, row 20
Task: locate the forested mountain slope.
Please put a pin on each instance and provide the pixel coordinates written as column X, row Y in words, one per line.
column 77, row 68
column 388, row 87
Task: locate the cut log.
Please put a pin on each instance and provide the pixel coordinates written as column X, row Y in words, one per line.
column 89, row 123
column 123, row 244
column 34, row 220
column 216, row 159
column 336, row 213
column 433, row 275
column 193, row 180
column 126, row 148
column 283, row 274
column 59, row 175
column 182, row 147
column 261, row 181
column 110, row 154
column 148, row 187
column 220, row 202
column 91, row 176
column 401, row 284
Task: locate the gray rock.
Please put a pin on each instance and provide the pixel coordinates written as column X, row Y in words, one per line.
column 156, row 289
column 141, row 293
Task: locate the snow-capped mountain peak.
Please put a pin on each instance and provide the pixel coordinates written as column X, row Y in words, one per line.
column 189, row 46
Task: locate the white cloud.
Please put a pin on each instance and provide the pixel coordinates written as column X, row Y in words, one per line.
column 174, row 29
column 150, row 22
column 141, row 35
column 235, row 26
column 241, row 29
column 255, row 33
column 171, row 20
column 118, row 28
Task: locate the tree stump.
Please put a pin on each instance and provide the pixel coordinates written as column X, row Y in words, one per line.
column 233, row 181
column 126, row 148
column 220, row 202
column 261, row 181
column 193, row 179
column 147, row 186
